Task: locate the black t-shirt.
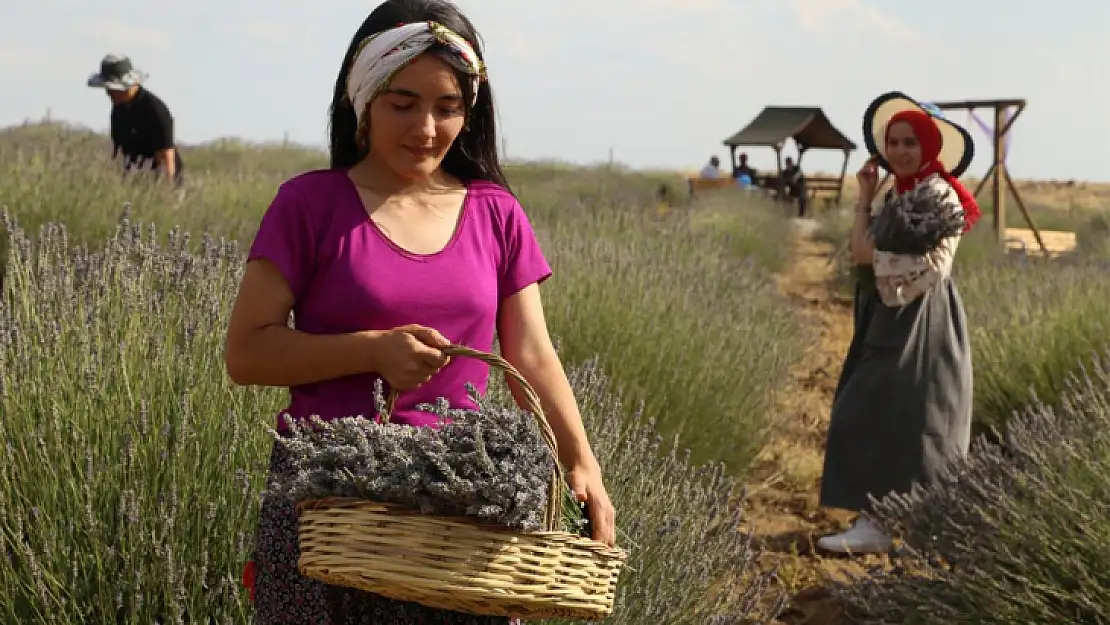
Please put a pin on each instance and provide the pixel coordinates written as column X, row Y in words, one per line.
column 140, row 129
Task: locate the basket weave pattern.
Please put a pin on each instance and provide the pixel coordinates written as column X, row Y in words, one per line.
column 461, row 564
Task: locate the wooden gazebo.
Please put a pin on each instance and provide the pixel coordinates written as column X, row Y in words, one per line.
column 808, row 126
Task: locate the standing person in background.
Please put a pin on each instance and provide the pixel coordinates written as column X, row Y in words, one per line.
column 142, row 126
column 794, row 184
column 902, row 407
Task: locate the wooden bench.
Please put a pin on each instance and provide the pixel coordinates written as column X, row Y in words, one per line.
column 822, row 187
column 817, row 187
column 696, row 184
column 1023, row 240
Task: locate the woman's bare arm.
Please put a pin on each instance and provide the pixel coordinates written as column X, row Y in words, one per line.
column 526, row 344
column 262, row 350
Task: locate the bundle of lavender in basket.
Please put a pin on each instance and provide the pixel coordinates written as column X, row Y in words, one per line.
column 491, row 463
column 917, row 222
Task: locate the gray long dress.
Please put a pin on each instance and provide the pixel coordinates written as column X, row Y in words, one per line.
column 902, row 407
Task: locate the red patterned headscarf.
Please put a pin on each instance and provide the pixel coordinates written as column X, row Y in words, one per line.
column 929, row 137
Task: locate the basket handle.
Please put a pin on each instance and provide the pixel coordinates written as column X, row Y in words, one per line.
column 553, row 513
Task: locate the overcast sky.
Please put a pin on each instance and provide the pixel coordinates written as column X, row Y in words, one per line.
column 660, row 82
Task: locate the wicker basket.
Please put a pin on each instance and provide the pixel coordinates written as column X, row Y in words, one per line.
column 462, row 564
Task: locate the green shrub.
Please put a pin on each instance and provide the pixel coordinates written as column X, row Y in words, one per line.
column 1020, row 534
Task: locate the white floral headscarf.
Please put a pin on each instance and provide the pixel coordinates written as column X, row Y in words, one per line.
column 380, row 56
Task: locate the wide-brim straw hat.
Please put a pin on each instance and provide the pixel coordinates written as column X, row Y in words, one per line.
column 957, row 147
column 116, row 74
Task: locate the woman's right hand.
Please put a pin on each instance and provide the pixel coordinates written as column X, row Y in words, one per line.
column 408, row 356
column 868, row 179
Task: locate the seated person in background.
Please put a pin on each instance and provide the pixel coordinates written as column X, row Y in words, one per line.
column 713, row 169
column 794, row 183
column 743, row 169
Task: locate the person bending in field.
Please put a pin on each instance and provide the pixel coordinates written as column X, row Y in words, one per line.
column 410, row 241
column 902, row 408
column 141, row 123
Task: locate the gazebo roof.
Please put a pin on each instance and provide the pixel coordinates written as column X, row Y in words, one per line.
column 808, row 126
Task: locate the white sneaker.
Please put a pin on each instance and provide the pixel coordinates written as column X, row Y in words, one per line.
column 863, row 537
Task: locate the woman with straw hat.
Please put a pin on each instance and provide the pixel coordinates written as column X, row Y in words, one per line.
column 902, row 409
column 410, row 242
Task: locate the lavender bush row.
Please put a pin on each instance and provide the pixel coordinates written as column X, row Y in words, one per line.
column 1033, row 323
column 130, row 468
column 1019, row 534
column 692, row 558
column 677, row 308
column 489, row 463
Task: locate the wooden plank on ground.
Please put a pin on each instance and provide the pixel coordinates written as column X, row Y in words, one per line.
column 1056, row 241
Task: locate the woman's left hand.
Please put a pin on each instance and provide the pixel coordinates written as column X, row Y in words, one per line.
column 584, row 479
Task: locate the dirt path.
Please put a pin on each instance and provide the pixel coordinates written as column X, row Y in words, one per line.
column 783, row 506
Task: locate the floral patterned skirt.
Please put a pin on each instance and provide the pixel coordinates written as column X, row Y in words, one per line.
column 282, row 595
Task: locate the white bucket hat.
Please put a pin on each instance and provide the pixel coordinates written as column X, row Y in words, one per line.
column 116, row 74
column 957, row 147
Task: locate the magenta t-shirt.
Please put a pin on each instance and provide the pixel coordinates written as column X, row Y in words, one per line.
column 346, row 276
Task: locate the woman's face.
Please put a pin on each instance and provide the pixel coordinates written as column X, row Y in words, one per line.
column 414, row 121
column 903, row 150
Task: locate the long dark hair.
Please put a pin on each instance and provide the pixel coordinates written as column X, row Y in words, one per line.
column 473, row 156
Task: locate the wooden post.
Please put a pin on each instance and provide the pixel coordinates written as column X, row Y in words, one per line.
column 998, row 185
column 843, row 172
column 998, row 176
column 779, row 189
column 732, row 159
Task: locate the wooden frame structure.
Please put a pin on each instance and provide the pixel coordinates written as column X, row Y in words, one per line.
column 998, row 175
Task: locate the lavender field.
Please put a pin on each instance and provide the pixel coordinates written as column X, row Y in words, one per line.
column 131, row 465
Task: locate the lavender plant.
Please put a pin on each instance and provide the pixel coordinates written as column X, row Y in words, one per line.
column 918, row 221
column 128, row 471
column 1032, row 323
column 489, row 463
column 1020, row 533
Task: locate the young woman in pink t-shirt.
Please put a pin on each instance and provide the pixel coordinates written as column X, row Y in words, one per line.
column 410, row 241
